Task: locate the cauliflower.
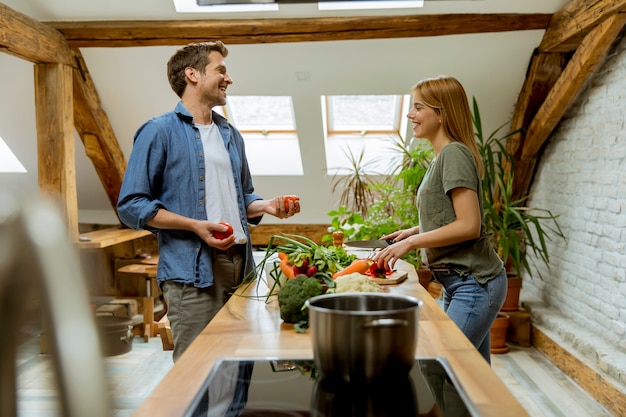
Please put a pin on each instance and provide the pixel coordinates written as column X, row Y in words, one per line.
column 355, row 282
column 292, row 296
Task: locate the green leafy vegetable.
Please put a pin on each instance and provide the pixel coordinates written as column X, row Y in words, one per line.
column 292, row 296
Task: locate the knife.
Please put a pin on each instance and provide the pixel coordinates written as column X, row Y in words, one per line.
column 375, row 243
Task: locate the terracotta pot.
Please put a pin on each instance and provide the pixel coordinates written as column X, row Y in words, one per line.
column 424, row 275
column 498, row 333
column 511, row 302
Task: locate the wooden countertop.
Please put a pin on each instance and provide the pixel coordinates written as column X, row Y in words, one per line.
column 248, row 327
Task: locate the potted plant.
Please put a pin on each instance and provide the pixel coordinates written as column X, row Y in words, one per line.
column 385, row 203
column 517, row 228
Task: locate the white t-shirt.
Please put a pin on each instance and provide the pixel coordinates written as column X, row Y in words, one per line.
column 220, row 199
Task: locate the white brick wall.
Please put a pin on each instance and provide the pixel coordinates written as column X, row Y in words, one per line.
column 582, row 177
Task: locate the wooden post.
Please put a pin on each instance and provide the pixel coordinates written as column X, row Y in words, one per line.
column 55, row 140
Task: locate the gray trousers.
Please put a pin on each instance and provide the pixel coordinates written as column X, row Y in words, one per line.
column 190, row 309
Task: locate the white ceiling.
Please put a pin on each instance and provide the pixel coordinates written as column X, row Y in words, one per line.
column 133, row 86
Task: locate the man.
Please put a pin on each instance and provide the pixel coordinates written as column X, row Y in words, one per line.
column 187, row 172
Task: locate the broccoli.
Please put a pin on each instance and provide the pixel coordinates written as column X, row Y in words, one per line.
column 292, row 296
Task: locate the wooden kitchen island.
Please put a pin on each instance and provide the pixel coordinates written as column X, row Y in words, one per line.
column 250, row 328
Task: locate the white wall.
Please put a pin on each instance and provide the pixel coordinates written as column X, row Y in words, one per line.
column 582, row 177
column 133, row 87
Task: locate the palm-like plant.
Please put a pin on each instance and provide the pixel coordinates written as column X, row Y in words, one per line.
column 390, row 199
column 356, row 191
column 516, row 227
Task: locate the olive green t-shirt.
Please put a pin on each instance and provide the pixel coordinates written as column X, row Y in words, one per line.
column 453, row 168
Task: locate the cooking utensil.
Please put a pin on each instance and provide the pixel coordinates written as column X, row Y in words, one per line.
column 375, row 243
column 363, row 337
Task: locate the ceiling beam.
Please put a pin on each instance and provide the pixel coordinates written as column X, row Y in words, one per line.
column 31, row 40
column 587, row 58
column 543, row 72
column 571, row 24
column 96, row 132
column 254, row 31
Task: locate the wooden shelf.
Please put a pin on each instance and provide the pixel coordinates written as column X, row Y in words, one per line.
column 103, row 238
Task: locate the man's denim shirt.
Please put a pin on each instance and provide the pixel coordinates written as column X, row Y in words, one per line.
column 166, row 170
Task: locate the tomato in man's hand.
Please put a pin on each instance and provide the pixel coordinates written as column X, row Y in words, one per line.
column 292, row 198
column 223, row 235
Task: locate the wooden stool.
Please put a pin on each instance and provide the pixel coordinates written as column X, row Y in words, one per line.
column 166, row 333
column 148, row 293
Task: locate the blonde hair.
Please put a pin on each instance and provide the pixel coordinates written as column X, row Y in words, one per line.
column 447, row 97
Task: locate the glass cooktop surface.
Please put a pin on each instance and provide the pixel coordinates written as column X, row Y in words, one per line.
column 281, row 388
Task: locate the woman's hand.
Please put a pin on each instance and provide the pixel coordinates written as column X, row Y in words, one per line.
column 387, row 257
column 401, row 234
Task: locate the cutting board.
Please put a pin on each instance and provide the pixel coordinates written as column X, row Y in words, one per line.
column 395, row 278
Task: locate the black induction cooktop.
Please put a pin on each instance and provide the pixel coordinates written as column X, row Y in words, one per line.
column 281, row 388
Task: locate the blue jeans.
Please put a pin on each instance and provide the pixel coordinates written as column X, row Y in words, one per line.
column 473, row 306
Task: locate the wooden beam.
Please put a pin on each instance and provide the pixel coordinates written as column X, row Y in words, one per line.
column 31, row 40
column 253, row 31
column 587, row 58
column 570, row 25
column 543, row 72
column 55, row 140
column 96, row 132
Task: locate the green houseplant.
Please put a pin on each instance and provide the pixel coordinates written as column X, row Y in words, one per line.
column 389, row 202
column 517, row 228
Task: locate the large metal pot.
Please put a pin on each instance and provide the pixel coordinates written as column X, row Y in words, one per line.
column 362, row 337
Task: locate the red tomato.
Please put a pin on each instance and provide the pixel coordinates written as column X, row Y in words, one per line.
column 376, row 272
column 292, row 198
column 223, row 235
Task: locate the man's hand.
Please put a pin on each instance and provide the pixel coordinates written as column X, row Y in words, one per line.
column 206, row 229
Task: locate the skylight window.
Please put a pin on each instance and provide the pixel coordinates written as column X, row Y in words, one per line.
column 357, row 5
column 268, row 128
column 225, row 6
column 197, row 6
column 364, row 113
column 261, row 113
column 364, row 129
column 8, row 161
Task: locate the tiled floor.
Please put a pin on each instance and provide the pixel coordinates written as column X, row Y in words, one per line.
column 540, row 387
column 131, row 376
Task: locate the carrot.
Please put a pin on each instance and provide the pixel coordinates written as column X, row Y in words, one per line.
column 282, row 255
column 357, row 266
column 286, row 268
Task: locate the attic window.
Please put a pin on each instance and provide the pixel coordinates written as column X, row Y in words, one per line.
column 366, row 125
column 269, row 131
column 199, row 6
column 8, row 161
column 217, row 6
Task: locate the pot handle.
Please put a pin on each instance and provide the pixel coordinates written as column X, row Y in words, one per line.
column 386, row 323
column 128, row 337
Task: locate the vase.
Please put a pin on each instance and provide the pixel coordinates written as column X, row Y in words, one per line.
column 511, row 302
column 498, row 333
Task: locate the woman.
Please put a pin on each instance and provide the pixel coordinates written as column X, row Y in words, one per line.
column 451, row 233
